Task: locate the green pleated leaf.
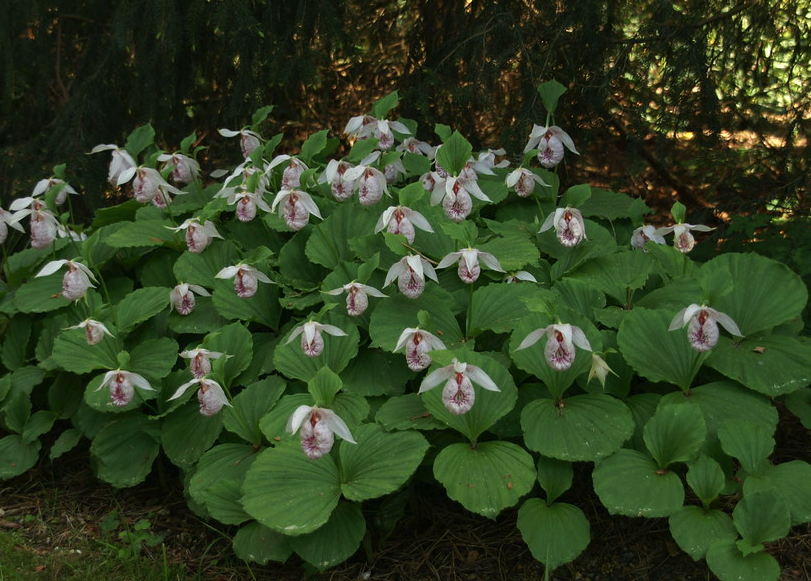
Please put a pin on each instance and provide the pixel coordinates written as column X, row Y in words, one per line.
column 773, row 366
column 674, row 434
column 485, row 479
column 750, row 443
column 791, row 481
column 761, row 517
column 288, row 492
column 550, row 92
column 726, row 560
column 555, row 477
column 186, row 434
column 296, row 267
column 16, row 456
column 39, row 423
column 695, row 530
column 250, row 405
column 124, row 450
column 630, row 483
column 41, row 294
column 328, row 244
column 154, row 232
column 200, row 267
column 140, row 305
column 314, row 144
column 584, row 428
column 600, row 242
column 655, row 352
column 706, row 479
column 613, row 205
column 236, row 342
column 334, row 542
column 756, row 303
column 513, row 251
column 380, row 462
column 203, row 319
column 499, row 307
column 17, row 333
column 218, row 478
column 406, row 412
column 290, row 360
column 617, row 274
column 140, row 139
column 555, row 534
column 256, row 543
column 375, row 372
column 263, row 307
column 579, row 296
column 674, row 296
column 66, row 441
column 488, row 406
column 154, row 358
column 72, row 353
column 799, row 403
column 454, row 153
column 723, row 401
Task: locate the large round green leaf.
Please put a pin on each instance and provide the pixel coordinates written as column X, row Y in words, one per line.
column 380, row 462
column 750, row 443
column 375, row 372
column 217, row 481
column 488, row 406
column 706, row 479
column 617, row 274
column 256, row 543
column 41, row 294
column 124, row 450
column 72, row 352
column 186, row 434
column 555, row 477
column 406, row 412
column 580, row 428
column 761, row 517
column 16, row 456
column 655, row 352
column 140, row 305
column 774, row 365
column 486, row 478
column 791, row 481
column 498, row 307
column 242, row 417
column 235, row 341
column 290, row 360
column 154, row 358
column 630, row 483
column 674, row 433
column 696, row 530
column 263, row 307
column 555, row 533
column 726, row 560
column 328, row 244
column 334, row 542
column 288, row 492
column 756, row 302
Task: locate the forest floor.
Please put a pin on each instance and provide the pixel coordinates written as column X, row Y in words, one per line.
column 60, row 518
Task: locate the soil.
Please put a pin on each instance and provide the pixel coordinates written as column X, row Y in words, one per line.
column 436, row 540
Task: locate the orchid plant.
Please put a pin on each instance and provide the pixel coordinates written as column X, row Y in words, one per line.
column 165, row 301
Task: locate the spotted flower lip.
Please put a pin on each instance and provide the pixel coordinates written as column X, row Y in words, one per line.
column 645, row 233
column 570, row 228
column 468, row 260
column 410, row 272
column 182, row 297
column 246, row 278
column 458, row 395
column 94, row 330
column 76, row 280
column 198, row 235
column 200, row 363
column 702, row 325
column 550, row 141
column 356, row 299
column 559, row 351
column 295, row 207
column 210, row 395
column 121, row 385
column 312, row 343
column 417, row 343
column 185, row 169
column 523, row 180
column 318, row 428
column 402, row 220
column 43, row 186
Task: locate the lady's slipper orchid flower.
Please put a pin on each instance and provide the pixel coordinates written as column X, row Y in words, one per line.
column 417, row 343
column 318, row 429
column 364, row 126
column 7, row 219
column 93, row 330
column 599, row 369
column 486, row 161
column 519, row 276
column 458, row 394
column 247, row 202
column 43, row 186
column 559, row 351
column 246, row 279
column 402, row 220
column 357, row 300
column 76, row 280
column 148, row 185
column 455, row 194
column 550, row 142
column 249, row 140
column 341, row 185
column 210, row 395
column 291, row 176
column 410, row 273
column 120, row 162
column 182, row 297
column 312, row 343
column 184, row 168
column 394, row 171
column 122, row 385
column 199, row 360
column 702, row 325
column 295, row 207
column 683, row 240
column 523, row 180
column 198, row 236
column 415, row 146
column 644, row 233
column 569, row 226
column 468, row 260
column 44, row 225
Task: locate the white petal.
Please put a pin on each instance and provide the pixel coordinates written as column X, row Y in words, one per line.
column 196, row 288
column 182, row 389
column 479, row 376
column 371, row 291
column 333, row 330
column 51, row 267
column 228, row 132
column 579, row 338
column 297, row 418
column 405, row 336
column 228, row 272
column 532, row 338
column 436, row 377
column 103, row 147
column 139, row 381
column 449, row 259
column 394, row 272
column 726, row 322
column 337, row 425
column 419, row 220
column 551, row 219
column 490, row 261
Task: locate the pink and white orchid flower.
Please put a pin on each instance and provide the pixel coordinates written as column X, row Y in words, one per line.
column 643, row 234
column 468, row 260
column 341, row 185
column 246, row 279
column 550, row 142
column 44, row 186
column 182, row 297
column 458, row 395
column 120, row 162
column 210, row 395
column 76, row 280
column 199, row 360
column 410, row 272
column 570, row 228
column 312, row 343
column 44, row 225
column 559, row 351
column 455, row 194
column 94, row 331
column 198, row 235
column 184, row 168
column 524, row 180
column 702, row 325
column 122, row 385
column 249, row 140
column 357, row 300
column 295, row 207
column 291, row 175
column 6, row 220
column 402, row 220
column 148, row 185
column 318, row 429
column 416, row 344
column 683, row 239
